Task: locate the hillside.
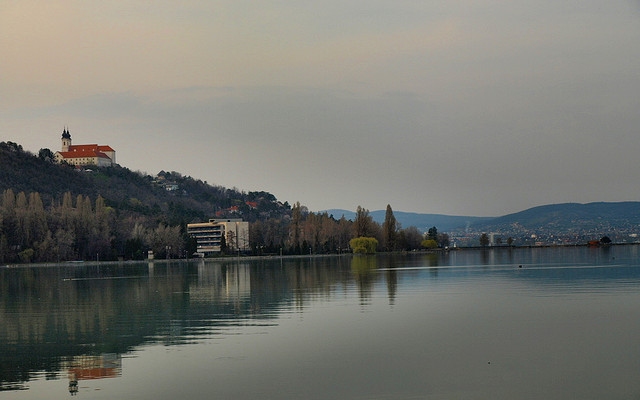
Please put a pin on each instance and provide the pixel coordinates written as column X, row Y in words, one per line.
column 56, row 212
column 168, row 197
column 569, row 217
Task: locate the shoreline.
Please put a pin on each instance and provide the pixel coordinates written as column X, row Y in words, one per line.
column 300, row 256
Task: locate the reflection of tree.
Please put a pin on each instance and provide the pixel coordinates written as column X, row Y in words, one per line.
column 392, row 285
column 432, row 259
column 484, row 255
column 364, row 270
column 389, row 262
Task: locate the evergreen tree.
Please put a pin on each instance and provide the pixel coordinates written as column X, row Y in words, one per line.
column 389, row 229
column 432, row 233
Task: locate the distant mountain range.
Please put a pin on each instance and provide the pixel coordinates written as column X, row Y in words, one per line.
column 564, row 217
column 571, row 216
column 421, row 221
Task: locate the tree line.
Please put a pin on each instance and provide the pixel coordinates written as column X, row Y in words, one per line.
column 79, row 228
column 304, row 232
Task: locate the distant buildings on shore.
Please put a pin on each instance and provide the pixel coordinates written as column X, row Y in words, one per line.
column 84, row 154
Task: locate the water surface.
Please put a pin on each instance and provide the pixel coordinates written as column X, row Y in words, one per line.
column 552, row 323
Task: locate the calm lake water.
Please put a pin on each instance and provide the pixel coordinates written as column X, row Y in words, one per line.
column 557, row 323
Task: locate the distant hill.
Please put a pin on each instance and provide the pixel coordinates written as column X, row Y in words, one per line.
column 421, row 221
column 602, row 218
column 568, row 216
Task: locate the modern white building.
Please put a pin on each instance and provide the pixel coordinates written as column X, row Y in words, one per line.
column 84, row 154
column 209, row 235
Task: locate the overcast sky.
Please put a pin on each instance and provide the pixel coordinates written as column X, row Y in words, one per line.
column 470, row 107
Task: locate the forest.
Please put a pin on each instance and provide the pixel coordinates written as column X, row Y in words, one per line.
column 51, row 213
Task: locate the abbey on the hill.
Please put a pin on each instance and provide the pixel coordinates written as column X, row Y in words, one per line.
column 85, row 154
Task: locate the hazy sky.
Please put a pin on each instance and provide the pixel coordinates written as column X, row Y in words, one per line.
column 470, row 107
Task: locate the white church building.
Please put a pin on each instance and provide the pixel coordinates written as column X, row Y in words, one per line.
column 84, row 154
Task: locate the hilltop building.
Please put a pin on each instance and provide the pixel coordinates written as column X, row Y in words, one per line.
column 84, row 154
column 209, row 235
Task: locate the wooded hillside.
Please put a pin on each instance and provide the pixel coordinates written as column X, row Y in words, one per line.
column 51, row 212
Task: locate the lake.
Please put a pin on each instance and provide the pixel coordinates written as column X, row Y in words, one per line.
column 539, row 323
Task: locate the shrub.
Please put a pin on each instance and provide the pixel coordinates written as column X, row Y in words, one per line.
column 364, row 245
column 429, row 244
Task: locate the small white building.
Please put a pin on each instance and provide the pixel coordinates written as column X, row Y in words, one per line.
column 84, row 154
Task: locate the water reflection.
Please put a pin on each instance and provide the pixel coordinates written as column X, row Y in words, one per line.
column 54, row 316
column 88, row 367
column 364, row 268
column 74, row 322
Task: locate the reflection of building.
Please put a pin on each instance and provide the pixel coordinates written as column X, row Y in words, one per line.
column 96, row 367
column 85, row 154
column 238, row 282
column 227, row 282
column 209, row 235
column 93, row 367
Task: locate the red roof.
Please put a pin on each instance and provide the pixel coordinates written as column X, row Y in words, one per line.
column 86, row 151
column 232, row 209
column 90, row 147
column 83, row 154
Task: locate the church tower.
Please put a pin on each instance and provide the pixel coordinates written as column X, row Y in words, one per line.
column 66, row 140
